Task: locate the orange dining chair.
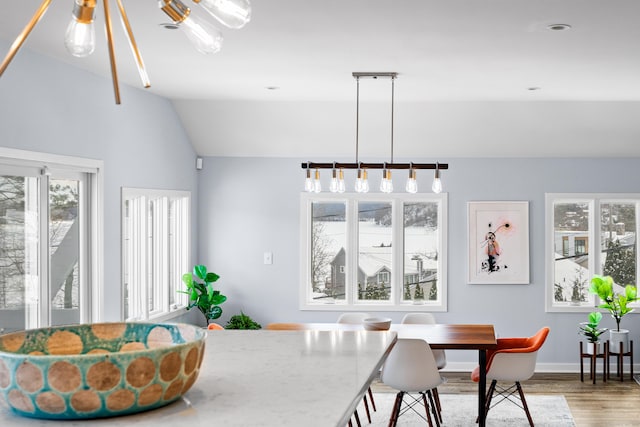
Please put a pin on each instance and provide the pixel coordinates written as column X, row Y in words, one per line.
column 357, row 318
column 214, row 327
column 285, row 326
column 411, row 368
column 513, row 360
column 440, row 356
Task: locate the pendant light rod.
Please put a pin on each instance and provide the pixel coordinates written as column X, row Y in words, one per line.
column 363, row 165
column 393, row 79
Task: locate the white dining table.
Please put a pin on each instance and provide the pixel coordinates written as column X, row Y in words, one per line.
column 263, row 378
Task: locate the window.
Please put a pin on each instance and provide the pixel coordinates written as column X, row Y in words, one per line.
column 373, row 251
column 155, row 251
column 589, row 234
column 49, row 227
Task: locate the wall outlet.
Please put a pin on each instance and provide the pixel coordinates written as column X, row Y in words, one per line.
column 268, row 258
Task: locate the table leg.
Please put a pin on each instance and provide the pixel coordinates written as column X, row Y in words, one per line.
column 482, row 387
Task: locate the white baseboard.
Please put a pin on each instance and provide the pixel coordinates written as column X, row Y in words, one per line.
column 543, row 367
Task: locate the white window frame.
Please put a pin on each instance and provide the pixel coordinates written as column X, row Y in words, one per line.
column 153, row 258
column 92, row 296
column 595, row 200
column 397, row 280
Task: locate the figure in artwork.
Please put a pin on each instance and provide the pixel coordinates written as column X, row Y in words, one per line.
column 491, row 263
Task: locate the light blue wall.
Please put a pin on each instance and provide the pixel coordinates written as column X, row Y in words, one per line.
column 251, row 205
column 50, row 107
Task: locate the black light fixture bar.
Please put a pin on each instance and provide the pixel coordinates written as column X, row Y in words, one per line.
column 363, row 165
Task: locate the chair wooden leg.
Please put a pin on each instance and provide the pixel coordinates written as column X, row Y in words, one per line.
column 396, row 409
column 436, row 397
column 434, row 410
column 357, row 417
column 350, row 425
column 366, row 408
column 426, row 408
column 524, row 403
column 373, row 403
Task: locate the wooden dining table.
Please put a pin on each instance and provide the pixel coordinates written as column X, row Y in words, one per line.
column 480, row 337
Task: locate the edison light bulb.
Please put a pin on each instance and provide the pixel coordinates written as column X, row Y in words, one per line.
column 358, row 186
column 205, row 37
column 386, row 185
column 364, row 182
column 308, row 182
column 412, row 184
column 333, row 186
column 341, row 186
column 230, row 13
column 317, row 187
column 80, row 38
column 436, row 187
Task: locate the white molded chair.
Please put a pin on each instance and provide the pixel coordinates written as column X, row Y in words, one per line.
column 411, row 368
column 514, row 360
column 440, row 356
column 352, row 318
column 426, row 319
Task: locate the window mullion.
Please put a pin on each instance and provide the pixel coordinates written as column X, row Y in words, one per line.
column 351, row 288
column 397, row 248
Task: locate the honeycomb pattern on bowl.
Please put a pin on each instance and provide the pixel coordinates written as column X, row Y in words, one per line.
column 98, row 370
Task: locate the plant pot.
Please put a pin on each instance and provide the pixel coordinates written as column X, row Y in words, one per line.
column 617, row 337
column 593, row 347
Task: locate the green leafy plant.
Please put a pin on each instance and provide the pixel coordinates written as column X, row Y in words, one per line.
column 242, row 321
column 201, row 292
column 615, row 303
column 590, row 329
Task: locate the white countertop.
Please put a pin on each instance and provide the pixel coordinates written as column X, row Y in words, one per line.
column 264, row 378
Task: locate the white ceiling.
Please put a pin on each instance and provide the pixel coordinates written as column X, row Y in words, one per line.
column 464, row 67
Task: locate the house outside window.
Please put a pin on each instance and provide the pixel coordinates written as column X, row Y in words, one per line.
column 373, row 251
column 588, row 234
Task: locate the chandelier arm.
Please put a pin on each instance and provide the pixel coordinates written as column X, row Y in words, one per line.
column 17, row 44
column 134, row 47
column 112, row 54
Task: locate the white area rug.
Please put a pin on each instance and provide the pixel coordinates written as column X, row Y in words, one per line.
column 460, row 410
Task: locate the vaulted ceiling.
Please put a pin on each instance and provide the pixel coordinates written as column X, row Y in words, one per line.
column 476, row 77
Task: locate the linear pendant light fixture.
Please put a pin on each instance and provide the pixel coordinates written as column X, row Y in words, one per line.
column 362, row 182
column 79, row 38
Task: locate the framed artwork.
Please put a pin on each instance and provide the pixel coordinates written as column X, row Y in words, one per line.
column 498, row 239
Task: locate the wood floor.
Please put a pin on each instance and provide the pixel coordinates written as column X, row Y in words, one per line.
column 611, row 404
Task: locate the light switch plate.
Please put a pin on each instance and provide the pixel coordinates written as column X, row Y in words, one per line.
column 268, row 258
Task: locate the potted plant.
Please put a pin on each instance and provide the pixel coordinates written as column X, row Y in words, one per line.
column 242, row 321
column 592, row 332
column 617, row 305
column 201, row 292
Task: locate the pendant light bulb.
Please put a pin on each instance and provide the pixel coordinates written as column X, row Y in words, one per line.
column 317, row 187
column 204, row 36
column 412, row 184
column 365, row 182
column 80, row 37
column 308, row 182
column 333, row 186
column 230, row 13
column 436, row 187
column 341, row 186
column 386, row 185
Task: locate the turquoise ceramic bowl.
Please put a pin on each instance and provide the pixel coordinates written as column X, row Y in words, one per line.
column 98, row 370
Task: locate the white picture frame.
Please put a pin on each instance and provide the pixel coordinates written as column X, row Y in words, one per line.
column 498, row 242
